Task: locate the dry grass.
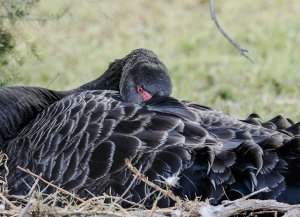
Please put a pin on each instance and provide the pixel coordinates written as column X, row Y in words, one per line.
column 35, row 203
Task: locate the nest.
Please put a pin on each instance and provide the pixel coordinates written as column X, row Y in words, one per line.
column 64, row 203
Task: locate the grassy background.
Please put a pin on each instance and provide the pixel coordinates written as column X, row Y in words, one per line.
column 74, row 40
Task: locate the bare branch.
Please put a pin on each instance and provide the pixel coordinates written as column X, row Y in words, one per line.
column 143, row 178
column 30, row 200
column 250, row 205
column 3, row 162
column 266, row 189
column 5, row 200
column 52, row 81
column 51, row 184
column 241, row 50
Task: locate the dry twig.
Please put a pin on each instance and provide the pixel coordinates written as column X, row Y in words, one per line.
column 231, row 40
column 51, row 184
column 52, row 81
column 266, row 189
column 253, row 204
column 5, row 200
column 3, row 183
column 143, row 178
column 30, row 200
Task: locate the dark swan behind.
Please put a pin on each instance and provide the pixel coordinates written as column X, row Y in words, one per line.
column 82, row 141
column 141, row 69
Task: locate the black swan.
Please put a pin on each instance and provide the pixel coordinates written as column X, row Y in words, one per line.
column 18, row 105
column 82, row 141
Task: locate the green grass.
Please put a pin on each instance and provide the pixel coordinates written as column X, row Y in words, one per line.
column 205, row 68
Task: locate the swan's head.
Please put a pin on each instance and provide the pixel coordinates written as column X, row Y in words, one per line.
column 143, row 77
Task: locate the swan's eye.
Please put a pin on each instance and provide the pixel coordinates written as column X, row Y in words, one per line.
column 139, row 89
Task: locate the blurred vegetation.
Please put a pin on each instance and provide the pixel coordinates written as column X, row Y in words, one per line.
column 74, row 40
column 10, row 11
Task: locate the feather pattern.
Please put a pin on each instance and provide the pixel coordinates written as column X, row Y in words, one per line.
column 19, row 105
column 82, row 141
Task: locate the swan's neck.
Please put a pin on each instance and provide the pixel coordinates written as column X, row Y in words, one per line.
column 109, row 80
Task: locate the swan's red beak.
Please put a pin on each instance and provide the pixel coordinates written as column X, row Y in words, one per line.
column 146, row 95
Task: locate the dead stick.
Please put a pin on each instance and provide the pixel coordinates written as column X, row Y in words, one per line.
column 7, row 201
column 149, row 183
column 154, row 206
column 30, row 200
column 247, row 196
column 52, row 81
column 83, row 213
column 105, row 196
column 123, row 210
column 232, row 41
column 253, row 205
column 51, row 184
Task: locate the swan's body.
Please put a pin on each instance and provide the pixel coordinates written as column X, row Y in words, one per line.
column 79, row 139
column 82, row 141
column 18, row 105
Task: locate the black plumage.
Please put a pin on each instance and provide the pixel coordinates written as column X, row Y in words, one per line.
column 79, row 139
column 82, row 141
column 18, row 105
column 66, row 143
column 263, row 155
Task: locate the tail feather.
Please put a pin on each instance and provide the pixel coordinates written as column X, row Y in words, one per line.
column 294, row 129
column 280, row 122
